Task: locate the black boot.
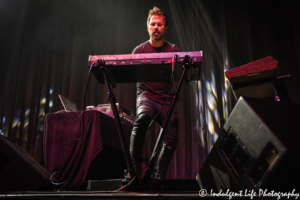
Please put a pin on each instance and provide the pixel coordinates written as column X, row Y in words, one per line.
column 164, row 160
column 163, row 163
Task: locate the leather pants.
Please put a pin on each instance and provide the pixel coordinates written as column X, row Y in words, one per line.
column 146, row 111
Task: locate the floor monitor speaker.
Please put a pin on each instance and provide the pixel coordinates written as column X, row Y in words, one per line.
column 258, row 148
column 19, row 171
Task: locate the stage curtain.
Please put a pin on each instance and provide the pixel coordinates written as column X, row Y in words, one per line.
column 45, row 47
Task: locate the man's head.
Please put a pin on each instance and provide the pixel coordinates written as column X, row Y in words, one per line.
column 157, row 24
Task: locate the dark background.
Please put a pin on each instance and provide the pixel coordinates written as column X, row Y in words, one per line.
column 44, row 49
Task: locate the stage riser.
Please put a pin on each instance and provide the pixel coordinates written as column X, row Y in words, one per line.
column 175, row 185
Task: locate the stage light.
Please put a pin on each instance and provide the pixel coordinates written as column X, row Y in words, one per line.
column 43, row 101
column 15, row 123
column 50, row 103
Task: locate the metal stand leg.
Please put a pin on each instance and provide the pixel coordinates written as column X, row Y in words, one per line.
column 164, row 129
column 112, row 100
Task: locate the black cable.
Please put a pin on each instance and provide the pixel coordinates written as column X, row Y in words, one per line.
column 78, row 155
column 169, row 91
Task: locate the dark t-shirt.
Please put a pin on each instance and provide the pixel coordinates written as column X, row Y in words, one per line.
column 156, row 91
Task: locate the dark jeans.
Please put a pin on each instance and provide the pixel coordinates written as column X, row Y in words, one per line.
column 146, row 110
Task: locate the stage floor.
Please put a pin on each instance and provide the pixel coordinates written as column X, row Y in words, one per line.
column 116, row 195
column 100, row 195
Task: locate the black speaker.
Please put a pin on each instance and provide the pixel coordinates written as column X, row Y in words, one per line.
column 19, row 171
column 258, row 148
column 108, row 164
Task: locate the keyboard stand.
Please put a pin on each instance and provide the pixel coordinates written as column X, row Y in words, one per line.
column 155, row 152
column 109, row 81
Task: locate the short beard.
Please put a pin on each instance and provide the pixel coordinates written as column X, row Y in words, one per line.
column 158, row 39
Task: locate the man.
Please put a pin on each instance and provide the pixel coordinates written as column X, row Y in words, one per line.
column 151, row 97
